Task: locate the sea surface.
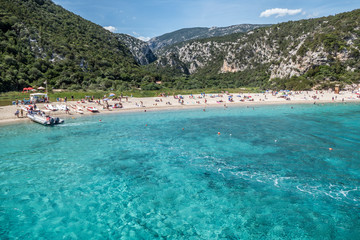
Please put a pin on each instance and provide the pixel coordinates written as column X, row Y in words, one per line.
column 268, row 172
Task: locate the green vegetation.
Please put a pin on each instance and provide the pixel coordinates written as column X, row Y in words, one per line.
column 40, row 41
column 319, row 77
column 333, row 36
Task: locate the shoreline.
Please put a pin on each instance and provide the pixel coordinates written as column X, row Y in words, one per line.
column 7, row 116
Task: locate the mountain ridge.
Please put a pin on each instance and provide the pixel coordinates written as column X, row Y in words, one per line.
column 186, row 34
column 315, row 51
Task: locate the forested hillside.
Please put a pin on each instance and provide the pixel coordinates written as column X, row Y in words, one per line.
column 304, row 54
column 42, row 41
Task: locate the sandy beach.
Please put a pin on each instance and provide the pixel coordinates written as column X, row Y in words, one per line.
column 7, row 113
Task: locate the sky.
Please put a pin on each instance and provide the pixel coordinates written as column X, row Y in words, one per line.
column 145, row 19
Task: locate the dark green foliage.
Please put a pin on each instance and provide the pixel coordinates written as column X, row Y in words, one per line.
column 42, row 41
column 321, row 77
column 333, row 37
column 294, row 83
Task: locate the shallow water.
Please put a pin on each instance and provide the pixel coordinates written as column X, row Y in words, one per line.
column 268, row 175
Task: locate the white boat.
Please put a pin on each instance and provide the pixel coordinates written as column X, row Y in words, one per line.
column 45, row 120
column 51, row 107
column 29, row 108
column 24, row 108
column 62, row 107
column 79, row 110
column 92, row 109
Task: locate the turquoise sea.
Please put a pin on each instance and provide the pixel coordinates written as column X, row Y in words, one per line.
column 269, row 174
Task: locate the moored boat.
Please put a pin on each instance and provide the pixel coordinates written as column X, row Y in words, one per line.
column 92, row 109
column 51, row 107
column 79, row 110
column 62, row 107
column 29, row 108
column 44, row 120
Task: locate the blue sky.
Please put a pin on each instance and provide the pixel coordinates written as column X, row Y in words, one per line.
column 149, row 18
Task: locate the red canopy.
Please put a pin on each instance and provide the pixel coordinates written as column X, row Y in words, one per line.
column 27, row 89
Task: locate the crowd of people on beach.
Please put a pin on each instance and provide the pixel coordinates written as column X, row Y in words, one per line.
column 111, row 102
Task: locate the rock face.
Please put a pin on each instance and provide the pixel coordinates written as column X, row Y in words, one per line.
column 186, row 34
column 139, row 49
column 289, row 49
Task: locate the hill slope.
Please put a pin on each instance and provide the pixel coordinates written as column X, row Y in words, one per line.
column 139, row 49
column 186, row 34
column 301, row 54
column 42, row 41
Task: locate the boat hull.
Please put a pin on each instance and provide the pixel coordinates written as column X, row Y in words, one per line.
column 92, row 109
column 47, row 121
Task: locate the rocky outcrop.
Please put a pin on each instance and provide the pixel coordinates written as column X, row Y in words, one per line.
column 227, row 67
column 139, row 49
column 289, row 49
column 187, row 34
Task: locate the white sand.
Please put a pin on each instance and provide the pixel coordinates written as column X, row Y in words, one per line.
column 158, row 103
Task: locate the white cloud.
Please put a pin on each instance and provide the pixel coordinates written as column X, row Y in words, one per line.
column 111, row 28
column 145, row 39
column 280, row 12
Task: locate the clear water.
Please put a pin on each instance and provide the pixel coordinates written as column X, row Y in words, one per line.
column 169, row 175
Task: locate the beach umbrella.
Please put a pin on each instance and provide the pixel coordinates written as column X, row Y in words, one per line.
column 106, row 99
column 41, row 88
column 111, row 94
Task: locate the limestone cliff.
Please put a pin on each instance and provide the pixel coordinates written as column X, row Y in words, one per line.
column 139, row 49
column 186, row 34
column 290, row 49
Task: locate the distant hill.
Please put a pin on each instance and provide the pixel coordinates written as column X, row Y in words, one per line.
column 314, row 53
column 186, row 34
column 42, row 41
